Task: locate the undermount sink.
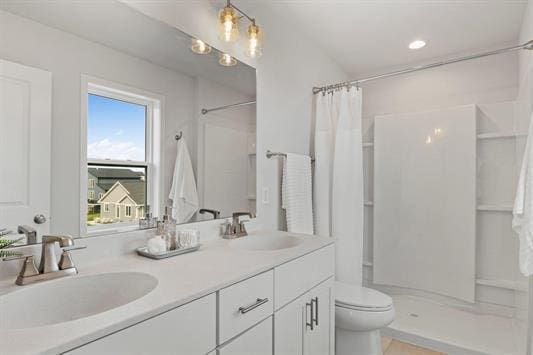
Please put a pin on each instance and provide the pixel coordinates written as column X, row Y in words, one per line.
column 68, row 299
column 266, row 242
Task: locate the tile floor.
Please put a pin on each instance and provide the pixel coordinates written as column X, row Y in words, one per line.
column 396, row 347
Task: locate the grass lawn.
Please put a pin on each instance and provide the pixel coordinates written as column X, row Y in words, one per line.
column 92, row 215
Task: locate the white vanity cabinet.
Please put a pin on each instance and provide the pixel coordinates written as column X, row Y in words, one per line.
column 287, row 310
column 306, row 325
column 189, row 330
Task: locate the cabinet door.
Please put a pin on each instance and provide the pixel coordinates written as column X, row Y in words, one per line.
column 256, row 341
column 189, row 329
column 289, row 323
column 320, row 339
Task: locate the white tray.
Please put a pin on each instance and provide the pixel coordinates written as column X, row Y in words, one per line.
column 143, row 251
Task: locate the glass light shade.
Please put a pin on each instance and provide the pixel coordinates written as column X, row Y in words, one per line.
column 226, row 60
column 228, row 25
column 199, row 46
column 254, row 47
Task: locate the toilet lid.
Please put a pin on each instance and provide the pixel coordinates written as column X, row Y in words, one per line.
column 359, row 297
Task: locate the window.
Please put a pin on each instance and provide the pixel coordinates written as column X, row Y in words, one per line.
column 119, row 153
column 128, row 211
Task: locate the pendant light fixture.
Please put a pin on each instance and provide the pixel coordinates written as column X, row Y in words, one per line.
column 199, row 46
column 254, row 48
column 228, row 24
column 226, row 60
column 228, row 30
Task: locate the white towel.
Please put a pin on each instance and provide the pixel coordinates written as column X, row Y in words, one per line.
column 183, row 192
column 523, row 208
column 296, row 193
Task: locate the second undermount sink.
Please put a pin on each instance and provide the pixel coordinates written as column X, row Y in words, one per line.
column 266, row 242
column 72, row 298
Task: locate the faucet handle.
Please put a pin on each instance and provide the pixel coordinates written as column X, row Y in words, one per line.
column 66, row 262
column 16, row 257
column 28, row 267
column 74, row 248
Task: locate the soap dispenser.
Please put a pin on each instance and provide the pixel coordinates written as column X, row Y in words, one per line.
column 169, row 230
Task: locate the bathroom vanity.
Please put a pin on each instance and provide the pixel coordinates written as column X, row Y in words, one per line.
column 270, row 292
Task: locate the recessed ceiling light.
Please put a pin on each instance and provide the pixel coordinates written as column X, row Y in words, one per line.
column 417, row 44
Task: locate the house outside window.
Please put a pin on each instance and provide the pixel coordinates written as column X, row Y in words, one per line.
column 120, row 152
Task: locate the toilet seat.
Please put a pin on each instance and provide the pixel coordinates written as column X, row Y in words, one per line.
column 361, row 298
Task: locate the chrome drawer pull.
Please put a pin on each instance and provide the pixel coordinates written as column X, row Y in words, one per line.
column 315, row 301
column 309, row 324
column 257, row 303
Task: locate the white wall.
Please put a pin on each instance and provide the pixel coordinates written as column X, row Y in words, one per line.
column 291, row 65
column 492, row 83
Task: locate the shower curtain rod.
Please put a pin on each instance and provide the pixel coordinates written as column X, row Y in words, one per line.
column 207, row 110
column 527, row 45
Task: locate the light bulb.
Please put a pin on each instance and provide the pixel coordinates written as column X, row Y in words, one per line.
column 228, row 25
column 226, row 60
column 199, row 47
column 417, row 44
column 255, row 41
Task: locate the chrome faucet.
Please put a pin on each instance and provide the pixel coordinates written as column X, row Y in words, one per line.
column 215, row 213
column 49, row 268
column 30, row 232
column 236, row 228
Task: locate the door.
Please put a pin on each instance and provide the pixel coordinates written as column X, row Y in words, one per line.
column 320, row 311
column 289, row 323
column 256, row 341
column 25, row 120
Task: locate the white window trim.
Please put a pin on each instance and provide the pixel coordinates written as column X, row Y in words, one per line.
column 117, row 211
column 153, row 145
column 106, row 207
column 126, row 211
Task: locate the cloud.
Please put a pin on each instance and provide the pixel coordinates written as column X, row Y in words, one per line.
column 120, row 132
column 108, row 149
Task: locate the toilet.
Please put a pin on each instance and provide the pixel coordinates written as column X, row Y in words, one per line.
column 360, row 313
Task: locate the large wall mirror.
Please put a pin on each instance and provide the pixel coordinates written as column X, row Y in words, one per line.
column 108, row 116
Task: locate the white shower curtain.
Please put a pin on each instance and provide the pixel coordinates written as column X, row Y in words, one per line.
column 338, row 180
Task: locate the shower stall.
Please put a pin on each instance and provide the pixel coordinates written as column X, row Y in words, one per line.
column 442, row 154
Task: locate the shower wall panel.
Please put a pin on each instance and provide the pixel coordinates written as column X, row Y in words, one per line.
column 425, row 201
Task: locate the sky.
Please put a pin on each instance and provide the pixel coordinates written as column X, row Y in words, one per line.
column 115, row 129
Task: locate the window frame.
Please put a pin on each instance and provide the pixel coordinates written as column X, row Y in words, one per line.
column 126, row 214
column 154, row 104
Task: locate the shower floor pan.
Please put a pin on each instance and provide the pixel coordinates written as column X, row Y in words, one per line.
column 457, row 332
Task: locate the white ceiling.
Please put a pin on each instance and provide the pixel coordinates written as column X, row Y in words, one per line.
column 368, row 37
column 118, row 26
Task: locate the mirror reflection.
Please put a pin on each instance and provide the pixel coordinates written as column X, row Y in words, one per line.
column 108, row 127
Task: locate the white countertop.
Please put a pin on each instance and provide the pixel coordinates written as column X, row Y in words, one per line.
column 181, row 279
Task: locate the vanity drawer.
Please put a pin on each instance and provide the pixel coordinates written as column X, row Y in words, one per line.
column 244, row 304
column 296, row 277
